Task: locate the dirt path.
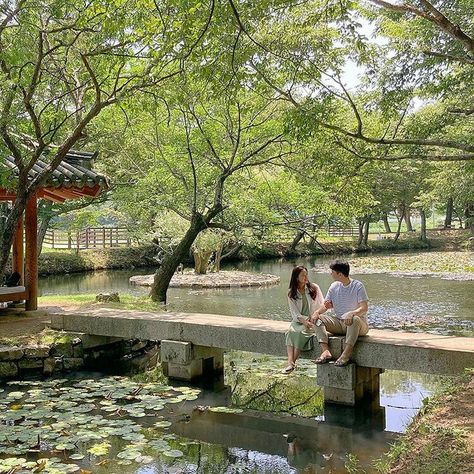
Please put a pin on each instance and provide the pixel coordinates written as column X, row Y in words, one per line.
column 17, row 322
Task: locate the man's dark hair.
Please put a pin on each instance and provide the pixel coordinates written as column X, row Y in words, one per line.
column 340, row 266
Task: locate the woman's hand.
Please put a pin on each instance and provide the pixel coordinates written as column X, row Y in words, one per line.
column 309, row 324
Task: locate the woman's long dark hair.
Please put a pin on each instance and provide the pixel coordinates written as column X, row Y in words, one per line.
column 313, row 292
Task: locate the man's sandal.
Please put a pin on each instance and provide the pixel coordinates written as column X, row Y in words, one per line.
column 342, row 362
column 322, row 360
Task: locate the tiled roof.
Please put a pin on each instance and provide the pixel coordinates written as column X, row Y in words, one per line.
column 73, row 171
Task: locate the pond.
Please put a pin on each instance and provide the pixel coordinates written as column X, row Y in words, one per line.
column 280, row 426
column 399, row 302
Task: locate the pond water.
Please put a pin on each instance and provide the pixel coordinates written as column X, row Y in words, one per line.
column 398, row 302
column 282, row 425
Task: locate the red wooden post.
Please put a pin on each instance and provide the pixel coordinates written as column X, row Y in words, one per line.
column 18, row 261
column 31, row 274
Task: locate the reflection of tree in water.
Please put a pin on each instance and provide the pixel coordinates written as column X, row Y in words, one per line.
column 257, row 384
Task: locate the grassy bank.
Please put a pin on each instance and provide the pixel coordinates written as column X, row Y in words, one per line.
column 440, row 439
column 65, row 261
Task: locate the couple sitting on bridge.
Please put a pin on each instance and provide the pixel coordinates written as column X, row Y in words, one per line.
column 348, row 299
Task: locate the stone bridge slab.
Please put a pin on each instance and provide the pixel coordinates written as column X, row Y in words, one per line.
column 414, row 352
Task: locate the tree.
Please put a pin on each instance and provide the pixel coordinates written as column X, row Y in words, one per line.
column 286, row 60
column 197, row 149
column 63, row 62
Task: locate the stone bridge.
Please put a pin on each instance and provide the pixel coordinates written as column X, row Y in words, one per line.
column 193, row 344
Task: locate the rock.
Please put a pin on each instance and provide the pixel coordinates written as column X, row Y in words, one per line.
column 78, row 352
column 36, row 351
column 8, row 369
column 73, row 363
column 108, row 298
column 62, row 349
column 138, row 346
column 10, row 353
column 29, row 364
column 52, row 365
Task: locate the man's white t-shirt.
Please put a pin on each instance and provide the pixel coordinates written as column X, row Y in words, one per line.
column 346, row 298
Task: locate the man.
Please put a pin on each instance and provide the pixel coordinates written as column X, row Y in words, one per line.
column 349, row 300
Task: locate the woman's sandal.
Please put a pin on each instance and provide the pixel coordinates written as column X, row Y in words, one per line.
column 288, row 369
column 322, row 360
column 342, row 362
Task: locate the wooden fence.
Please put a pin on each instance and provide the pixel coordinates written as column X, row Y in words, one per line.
column 90, row 238
column 335, row 231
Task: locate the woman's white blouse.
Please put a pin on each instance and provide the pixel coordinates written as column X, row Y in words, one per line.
column 297, row 305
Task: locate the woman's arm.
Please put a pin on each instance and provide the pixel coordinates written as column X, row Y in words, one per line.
column 295, row 312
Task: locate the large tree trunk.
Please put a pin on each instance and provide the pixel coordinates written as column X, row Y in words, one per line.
column 386, row 223
column 360, row 239
column 296, row 240
column 217, row 262
column 201, row 260
column 423, row 225
column 449, row 213
column 44, row 211
column 171, row 261
column 399, row 227
column 11, row 222
column 469, row 216
column 366, row 231
column 407, row 218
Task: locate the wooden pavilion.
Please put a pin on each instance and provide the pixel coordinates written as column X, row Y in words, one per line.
column 72, row 179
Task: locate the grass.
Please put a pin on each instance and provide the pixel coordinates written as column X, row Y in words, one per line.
column 46, row 337
column 87, row 301
column 435, row 443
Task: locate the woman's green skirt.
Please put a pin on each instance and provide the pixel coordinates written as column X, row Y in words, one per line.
column 296, row 336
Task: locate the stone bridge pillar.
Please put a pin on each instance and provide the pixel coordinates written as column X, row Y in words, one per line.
column 186, row 361
column 349, row 385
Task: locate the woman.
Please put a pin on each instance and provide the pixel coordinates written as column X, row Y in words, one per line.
column 304, row 298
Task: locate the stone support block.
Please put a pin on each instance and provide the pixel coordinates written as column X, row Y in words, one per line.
column 336, row 377
column 8, row 353
column 185, row 372
column 183, row 361
column 350, row 384
column 37, row 352
column 90, row 341
column 8, row 369
column 176, row 352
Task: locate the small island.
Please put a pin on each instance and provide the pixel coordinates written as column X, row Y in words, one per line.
column 221, row 279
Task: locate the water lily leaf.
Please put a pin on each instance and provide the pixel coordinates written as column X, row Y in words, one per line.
column 162, row 424
column 100, row 449
column 144, row 459
column 159, row 445
column 15, row 395
column 173, row 453
column 77, row 456
column 129, row 454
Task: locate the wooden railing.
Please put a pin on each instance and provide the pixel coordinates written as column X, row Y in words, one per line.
column 335, row 231
column 90, row 238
